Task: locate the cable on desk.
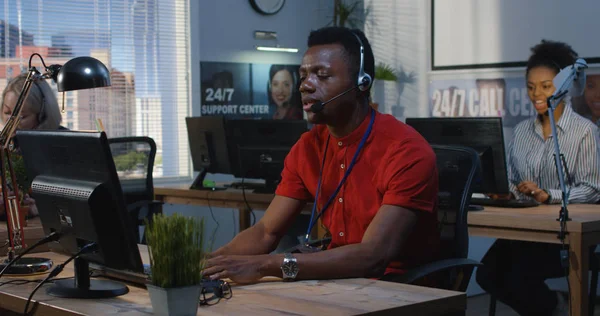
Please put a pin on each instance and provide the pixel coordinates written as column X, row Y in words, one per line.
column 24, row 281
column 248, row 204
column 214, row 233
column 234, row 223
column 58, row 269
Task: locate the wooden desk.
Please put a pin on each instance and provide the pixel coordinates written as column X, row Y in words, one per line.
column 33, row 232
column 270, row 297
column 539, row 224
column 529, row 224
column 230, row 198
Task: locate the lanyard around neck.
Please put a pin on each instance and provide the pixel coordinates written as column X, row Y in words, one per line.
column 314, row 219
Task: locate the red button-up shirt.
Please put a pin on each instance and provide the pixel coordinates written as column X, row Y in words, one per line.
column 395, row 167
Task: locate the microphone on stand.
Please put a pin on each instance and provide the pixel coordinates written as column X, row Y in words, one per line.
column 569, row 81
column 318, row 106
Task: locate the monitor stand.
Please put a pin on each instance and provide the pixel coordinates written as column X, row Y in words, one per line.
column 81, row 286
column 198, row 183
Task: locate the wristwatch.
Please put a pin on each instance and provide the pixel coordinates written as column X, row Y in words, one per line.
column 289, row 267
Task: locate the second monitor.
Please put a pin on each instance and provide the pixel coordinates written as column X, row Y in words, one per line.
column 257, row 148
column 484, row 134
column 245, row 148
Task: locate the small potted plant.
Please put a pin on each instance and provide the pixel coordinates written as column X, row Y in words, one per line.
column 383, row 73
column 176, row 249
column 388, row 87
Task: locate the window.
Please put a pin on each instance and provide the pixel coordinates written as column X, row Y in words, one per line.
column 144, row 44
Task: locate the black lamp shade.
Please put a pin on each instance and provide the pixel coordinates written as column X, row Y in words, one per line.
column 82, row 73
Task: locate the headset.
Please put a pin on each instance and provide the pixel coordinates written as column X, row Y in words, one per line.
column 364, row 79
column 42, row 115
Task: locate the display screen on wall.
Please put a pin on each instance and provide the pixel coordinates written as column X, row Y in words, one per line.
column 253, row 91
column 468, row 34
column 500, row 97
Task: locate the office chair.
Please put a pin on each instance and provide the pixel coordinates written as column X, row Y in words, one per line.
column 134, row 161
column 457, row 167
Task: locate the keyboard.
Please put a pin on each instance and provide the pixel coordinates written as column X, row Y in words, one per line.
column 504, row 203
column 139, row 278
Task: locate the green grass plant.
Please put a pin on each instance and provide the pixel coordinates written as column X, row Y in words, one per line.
column 176, row 249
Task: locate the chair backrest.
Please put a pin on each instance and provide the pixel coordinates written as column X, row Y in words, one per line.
column 457, row 167
column 134, row 160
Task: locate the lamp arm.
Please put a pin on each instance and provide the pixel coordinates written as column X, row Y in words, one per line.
column 15, row 118
column 11, row 200
column 12, row 205
column 38, row 55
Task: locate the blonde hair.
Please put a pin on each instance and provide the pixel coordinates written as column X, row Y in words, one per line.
column 41, row 101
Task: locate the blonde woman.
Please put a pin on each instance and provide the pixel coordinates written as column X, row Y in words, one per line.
column 40, row 109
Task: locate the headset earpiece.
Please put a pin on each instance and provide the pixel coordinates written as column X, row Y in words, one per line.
column 42, row 115
column 364, row 79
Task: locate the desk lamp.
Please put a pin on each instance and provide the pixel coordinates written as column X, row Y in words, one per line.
column 76, row 74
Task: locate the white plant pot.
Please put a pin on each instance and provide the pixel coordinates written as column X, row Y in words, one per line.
column 179, row 301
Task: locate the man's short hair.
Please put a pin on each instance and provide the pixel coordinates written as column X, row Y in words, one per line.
column 345, row 37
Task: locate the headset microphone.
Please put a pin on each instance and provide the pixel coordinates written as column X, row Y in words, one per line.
column 318, row 106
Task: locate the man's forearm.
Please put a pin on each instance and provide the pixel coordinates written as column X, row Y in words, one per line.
column 252, row 241
column 351, row 261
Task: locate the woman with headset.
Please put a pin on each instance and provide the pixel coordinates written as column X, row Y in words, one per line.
column 40, row 111
column 283, row 93
column 515, row 272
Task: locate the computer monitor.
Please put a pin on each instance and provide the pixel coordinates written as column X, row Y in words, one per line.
column 77, row 192
column 257, row 148
column 484, row 134
column 208, row 147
